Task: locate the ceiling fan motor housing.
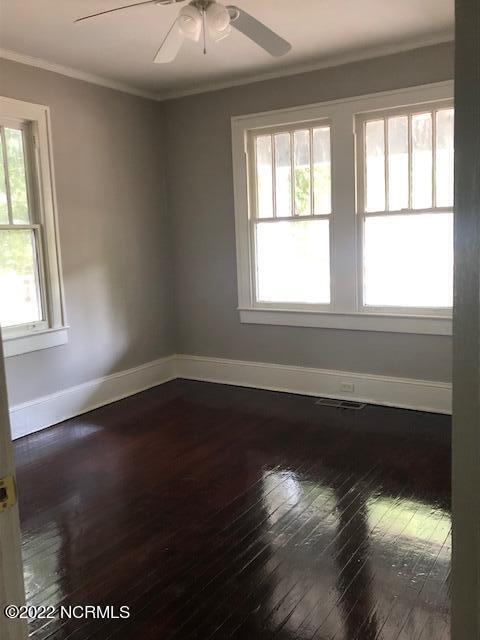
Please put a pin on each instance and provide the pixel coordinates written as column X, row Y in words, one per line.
column 216, row 16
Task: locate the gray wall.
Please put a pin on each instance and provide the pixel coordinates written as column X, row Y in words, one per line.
column 200, row 204
column 140, row 284
column 109, row 168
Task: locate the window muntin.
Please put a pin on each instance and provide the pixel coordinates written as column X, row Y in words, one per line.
column 289, row 217
column 405, row 207
column 21, row 267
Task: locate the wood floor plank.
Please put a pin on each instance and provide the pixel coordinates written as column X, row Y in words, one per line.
column 218, row 512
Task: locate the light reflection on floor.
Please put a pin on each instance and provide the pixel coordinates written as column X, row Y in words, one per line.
column 311, row 597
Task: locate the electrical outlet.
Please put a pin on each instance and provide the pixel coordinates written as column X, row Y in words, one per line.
column 347, row 387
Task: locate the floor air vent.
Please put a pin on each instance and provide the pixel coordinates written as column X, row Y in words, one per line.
column 341, row 404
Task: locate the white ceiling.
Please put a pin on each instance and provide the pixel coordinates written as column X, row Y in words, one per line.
column 120, row 47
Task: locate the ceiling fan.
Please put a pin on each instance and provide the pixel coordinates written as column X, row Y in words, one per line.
column 200, row 17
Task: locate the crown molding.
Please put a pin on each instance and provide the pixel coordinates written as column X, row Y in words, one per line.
column 14, row 56
column 332, row 61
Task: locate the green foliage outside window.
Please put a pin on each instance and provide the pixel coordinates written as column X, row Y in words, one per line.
column 322, row 186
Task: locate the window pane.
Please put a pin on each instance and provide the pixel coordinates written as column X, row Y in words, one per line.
column 283, row 175
column 422, row 161
column 264, row 177
column 444, row 158
column 397, row 163
column 322, row 181
column 375, row 165
column 3, row 191
column 293, row 261
column 302, row 172
column 19, row 294
column 408, row 260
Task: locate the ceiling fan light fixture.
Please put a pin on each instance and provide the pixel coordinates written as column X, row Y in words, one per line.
column 202, row 16
column 190, row 22
column 218, row 21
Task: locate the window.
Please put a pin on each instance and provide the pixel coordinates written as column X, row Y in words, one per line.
column 405, row 206
column 31, row 311
column 344, row 213
column 290, row 221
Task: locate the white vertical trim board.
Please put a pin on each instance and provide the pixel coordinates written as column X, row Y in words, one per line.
column 45, row 411
column 421, row 395
column 42, row 412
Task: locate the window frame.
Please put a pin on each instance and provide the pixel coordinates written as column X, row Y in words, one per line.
column 362, row 214
column 345, row 311
column 254, row 219
column 51, row 331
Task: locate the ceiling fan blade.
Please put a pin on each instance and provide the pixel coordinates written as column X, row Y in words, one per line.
column 125, row 6
column 171, row 45
column 258, row 32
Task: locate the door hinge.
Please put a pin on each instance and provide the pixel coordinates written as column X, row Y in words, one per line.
column 8, row 493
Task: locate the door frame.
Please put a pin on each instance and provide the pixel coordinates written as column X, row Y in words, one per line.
column 12, row 590
column 466, row 328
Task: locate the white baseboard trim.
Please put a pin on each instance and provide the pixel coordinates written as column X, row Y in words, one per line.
column 421, row 395
column 45, row 411
column 37, row 414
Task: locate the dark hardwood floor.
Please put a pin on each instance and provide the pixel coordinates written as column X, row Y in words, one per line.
column 219, row 512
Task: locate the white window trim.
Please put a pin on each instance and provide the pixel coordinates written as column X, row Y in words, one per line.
column 53, row 332
column 344, row 312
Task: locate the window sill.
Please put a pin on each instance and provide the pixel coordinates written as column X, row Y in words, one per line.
column 432, row 325
column 16, row 345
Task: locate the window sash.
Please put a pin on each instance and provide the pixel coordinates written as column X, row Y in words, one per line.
column 29, row 163
column 253, row 210
column 253, row 135
column 40, row 277
column 262, row 304
column 363, row 214
column 439, row 311
column 361, row 163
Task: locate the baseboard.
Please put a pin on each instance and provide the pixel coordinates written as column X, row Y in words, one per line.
column 48, row 410
column 421, row 395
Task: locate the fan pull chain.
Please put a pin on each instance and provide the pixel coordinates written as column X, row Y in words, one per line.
column 204, row 34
